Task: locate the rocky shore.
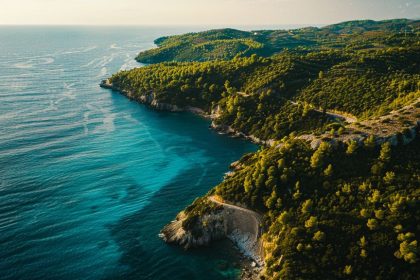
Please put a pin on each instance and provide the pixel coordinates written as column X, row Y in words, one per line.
column 150, row 100
column 224, row 129
column 217, row 224
column 232, row 222
column 382, row 131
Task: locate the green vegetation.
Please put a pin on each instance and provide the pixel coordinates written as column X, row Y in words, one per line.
column 201, row 206
column 253, row 95
column 227, row 43
column 323, row 222
column 225, row 85
column 369, row 81
column 343, row 210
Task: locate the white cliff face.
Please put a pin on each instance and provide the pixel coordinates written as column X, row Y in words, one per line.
column 235, row 223
column 246, row 244
column 217, row 225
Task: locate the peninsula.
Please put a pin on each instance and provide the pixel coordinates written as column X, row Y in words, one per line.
column 334, row 191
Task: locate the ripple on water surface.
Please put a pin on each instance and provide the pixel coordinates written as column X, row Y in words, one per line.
column 87, row 177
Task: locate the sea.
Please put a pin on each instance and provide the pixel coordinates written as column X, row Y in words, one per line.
column 88, row 178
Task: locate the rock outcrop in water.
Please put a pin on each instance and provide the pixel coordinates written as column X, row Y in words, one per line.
column 200, row 231
column 240, row 225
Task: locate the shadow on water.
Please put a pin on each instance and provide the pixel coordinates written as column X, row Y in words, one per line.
column 74, row 157
column 143, row 254
column 141, row 248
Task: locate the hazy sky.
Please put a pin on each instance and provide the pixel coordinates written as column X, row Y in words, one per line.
column 201, row 12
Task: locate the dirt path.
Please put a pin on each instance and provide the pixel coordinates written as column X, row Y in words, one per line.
column 339, row 116
column 333, row 114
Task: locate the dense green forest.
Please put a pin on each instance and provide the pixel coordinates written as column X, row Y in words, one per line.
column 225, row 44
column 335, row 211
column 257, row 95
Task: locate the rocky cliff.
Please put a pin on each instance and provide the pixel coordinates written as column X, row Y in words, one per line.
column 193, row 228
column 195, row 232
column 146, row 98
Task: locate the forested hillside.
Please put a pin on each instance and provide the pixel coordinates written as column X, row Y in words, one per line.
column 272, row 97
column 225, row 44
column 336, row 212
column 347, row 208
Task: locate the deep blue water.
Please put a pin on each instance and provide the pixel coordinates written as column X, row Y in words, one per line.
column 87, row 177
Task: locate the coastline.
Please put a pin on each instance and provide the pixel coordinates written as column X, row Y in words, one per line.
column 220, row 221
column 354, row 133
column 251, row 267
column 148, row 99
column 251, row 259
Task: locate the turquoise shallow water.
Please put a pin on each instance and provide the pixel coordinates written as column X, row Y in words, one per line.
column 87, row 177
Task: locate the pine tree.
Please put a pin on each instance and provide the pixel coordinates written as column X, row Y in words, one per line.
column 351, row 147
column 385, row 154
column 328, row 171
column 311, row 222
column 307, row 206
column 370, row 142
